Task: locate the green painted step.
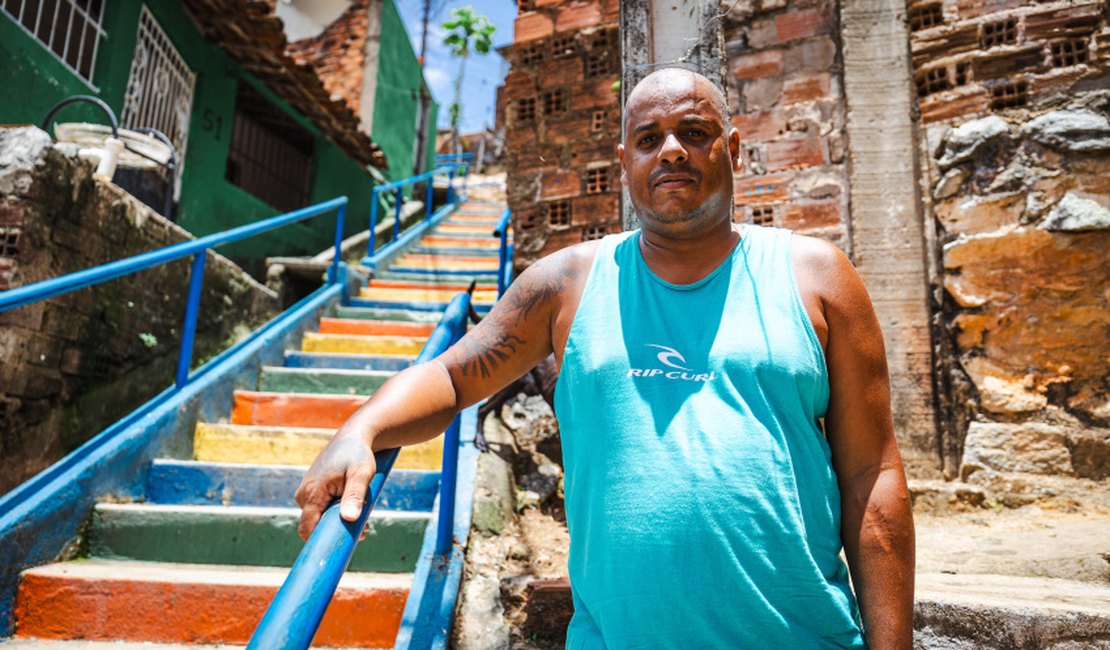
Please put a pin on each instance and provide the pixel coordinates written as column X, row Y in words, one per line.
column 276, row 379
column 241, row 535
column 378, row 313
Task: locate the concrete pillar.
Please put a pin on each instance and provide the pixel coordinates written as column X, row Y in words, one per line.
column 886, row 223
column 659, row 34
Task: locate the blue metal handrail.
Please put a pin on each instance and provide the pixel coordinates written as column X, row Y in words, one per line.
column 505, row 254
column 298, row 607
column 397, row 186
column 454, row 157
column 198, row 248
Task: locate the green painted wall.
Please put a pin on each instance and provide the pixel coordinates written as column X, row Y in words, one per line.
column 396, row 97
column 35, row 80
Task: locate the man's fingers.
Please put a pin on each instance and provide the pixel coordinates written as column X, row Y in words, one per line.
column 354, row 491
column 310, row 516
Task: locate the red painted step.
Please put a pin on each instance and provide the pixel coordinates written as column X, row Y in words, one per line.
column 293, row 409
column 374, row 327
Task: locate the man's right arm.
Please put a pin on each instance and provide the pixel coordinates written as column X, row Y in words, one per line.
column 418, row 403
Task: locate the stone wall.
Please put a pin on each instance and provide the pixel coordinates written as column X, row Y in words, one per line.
column 786, row 95
column 1016, row 153
column 562, row 118
column 75, row 363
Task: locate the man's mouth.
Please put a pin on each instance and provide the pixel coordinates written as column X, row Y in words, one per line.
column 673, row 181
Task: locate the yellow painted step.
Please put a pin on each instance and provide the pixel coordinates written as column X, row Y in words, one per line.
column 424, row 295
column 353, row 344
column 235, row 443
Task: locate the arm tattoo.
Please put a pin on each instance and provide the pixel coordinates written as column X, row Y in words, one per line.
column 483, row 356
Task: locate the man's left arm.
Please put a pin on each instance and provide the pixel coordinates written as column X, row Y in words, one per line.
column 876, row 517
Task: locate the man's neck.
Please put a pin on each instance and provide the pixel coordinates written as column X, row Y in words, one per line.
column 685, row 258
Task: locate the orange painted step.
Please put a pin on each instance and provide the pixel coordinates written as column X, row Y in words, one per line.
column 461, row 242
column 407, row 284
column 374, row 327
column 293, row 409
column 187, row 603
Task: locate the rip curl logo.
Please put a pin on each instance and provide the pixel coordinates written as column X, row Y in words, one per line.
column 671, row 358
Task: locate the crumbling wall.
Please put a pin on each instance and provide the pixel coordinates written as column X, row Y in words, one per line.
column 562, row 125
column 786, row 95
column 71, row 365
column 1016, row 152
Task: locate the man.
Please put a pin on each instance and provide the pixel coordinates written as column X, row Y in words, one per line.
column 724, row 407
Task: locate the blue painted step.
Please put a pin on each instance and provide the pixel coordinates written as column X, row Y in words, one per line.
column 396, row 363
column 411, row 306
column 190, row 482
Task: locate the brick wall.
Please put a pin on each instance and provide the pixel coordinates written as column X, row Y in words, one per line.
column 786, row 97
column 75, row 363
column 562, row 119
column 1015, row 120
column 338, row 54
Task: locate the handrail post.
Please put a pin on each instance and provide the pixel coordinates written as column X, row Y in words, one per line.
column 428, row 201
column 340, row 217
column 192, row 307
column 397, row 216
column 448, row 474
column 373, row 219
column 451, row 184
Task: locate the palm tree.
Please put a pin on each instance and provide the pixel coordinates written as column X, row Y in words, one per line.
column 465, row 30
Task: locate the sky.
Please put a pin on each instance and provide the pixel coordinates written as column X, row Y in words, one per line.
column 484, row 73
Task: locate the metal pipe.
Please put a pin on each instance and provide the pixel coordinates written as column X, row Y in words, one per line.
column 373, row 219
column 333, row 272
column 397, row 216
column 89, row 99
column 192, row 308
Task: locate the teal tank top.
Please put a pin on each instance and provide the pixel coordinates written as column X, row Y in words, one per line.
column 702, row 506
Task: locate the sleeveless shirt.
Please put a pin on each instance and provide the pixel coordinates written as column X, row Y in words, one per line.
column 702, row 506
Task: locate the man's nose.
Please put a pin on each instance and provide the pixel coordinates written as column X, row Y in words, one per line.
column 672, row 151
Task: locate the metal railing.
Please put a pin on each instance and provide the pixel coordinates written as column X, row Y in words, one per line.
column 505, row 254
column 398, row 186
column 297, row 609
column 198, row 249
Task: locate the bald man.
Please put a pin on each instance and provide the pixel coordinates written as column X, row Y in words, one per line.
column 724, row 407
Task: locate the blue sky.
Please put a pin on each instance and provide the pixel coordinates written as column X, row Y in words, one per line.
column 484, row 73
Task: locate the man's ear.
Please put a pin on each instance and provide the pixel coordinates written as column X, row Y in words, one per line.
column 624, row 172
column 734, row 149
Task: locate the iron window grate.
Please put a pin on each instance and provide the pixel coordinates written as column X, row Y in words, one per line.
column 71, row 30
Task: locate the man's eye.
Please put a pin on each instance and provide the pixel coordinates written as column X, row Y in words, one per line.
column 646, row 140
column 695, row 133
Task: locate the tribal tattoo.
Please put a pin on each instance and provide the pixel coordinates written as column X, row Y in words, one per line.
column 483, row 356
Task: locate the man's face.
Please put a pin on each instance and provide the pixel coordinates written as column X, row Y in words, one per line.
column 678, row 155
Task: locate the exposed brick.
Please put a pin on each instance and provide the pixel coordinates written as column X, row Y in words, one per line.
column 560, row 185
column 817, row 54
column 763, row 125
column 567, row 131
column 577, row 16
column 957, row 40
column 806, row 88
column 811, row 216
column 563, row 72
column 594, row 94
column 532, row 25
column 42, row 385
column 764, row 188
column 762, row 94
column 793, row 25
column 596, row 208
column 801, row 152
column 761, row 34
column 1005, row 64
column 758, row 65
column 11, row 214
column 1075, row 20
column 952, row 106
column 71, row 361
column 975, row 8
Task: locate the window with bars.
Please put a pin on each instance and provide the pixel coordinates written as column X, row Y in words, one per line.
column 932, row 81
column 1070, row 52
column 924, row 16
column 526, row 109
column 9, row 241
column 563, row 47
column 589, row 233
column 597, row 121
column 270, row 154
column 555, row 101
column 160, row 89
column 763, row 215
column 597, row 65
column 597, row 180
column 1014, row 94
column 557, row 212
column 999, row 32
column 530, row 53
column 70, row 29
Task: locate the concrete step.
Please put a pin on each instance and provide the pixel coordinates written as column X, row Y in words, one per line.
column 424, row 275
column 367, row 326
column 347, row 344
column 242, row 536
column 454, row 286
column 83, row 644
column 191, row 482
column 293, row 409
column 277, row 379
column 480, row 296
column 179, row 603
column 390, row 362
column 487, row 243
column 437, row 307
column 448, row 261
column 390, row 314
column 288, row 445
column 416, row 271
column 448, row 250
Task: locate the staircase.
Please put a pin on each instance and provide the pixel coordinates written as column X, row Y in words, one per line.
column 199, row 556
